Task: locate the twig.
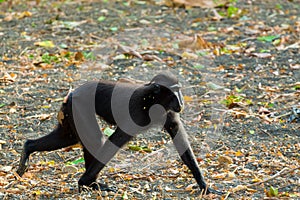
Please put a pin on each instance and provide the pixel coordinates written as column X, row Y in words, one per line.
column 266, row 132
column 245, row 187
column 283, row 115
column 281, row 173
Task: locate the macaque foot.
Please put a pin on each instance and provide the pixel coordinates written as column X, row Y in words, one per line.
column 97, row 186
column 22, row 169
column 212, row 191
column 24, row 163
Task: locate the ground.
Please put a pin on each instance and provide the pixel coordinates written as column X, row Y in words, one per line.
column 240, row 70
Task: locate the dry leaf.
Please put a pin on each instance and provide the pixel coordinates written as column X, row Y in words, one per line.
column 129, row 50
column 25, row 14
column 41, row 117
column 6, row 168
column 238, row 188
column 46, row 43
column 148, row 57
column 295, row 66
column 239, row 153
column 8, row 77
column 60, row 117
column 187, row 98
column 261, row 55
column 197, row 42
column 219, row 176
column 225, row 160
column 79, row 56
column 190, row 187
column 201, row 3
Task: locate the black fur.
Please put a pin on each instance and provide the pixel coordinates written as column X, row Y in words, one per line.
column 158, row 91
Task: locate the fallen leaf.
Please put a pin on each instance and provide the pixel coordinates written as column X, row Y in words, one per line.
column 238, row 188
column 201, row 3
column 46, row 43
column 70, row 169
column 25, row 14
column 8, row 77
column 239, row 153
column 225, row 160
column 79, row 56
column 187, row 98
column 148, row 57
column 6, row 168
column 261, row 55
column 129, row 50
column 295, row 66
column 196, row 42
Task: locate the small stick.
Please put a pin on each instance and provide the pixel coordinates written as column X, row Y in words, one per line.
column 281, row 173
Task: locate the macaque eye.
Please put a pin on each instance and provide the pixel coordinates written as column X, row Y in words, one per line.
column 156, row 88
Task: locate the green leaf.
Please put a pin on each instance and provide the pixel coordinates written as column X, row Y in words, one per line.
column 238, row 90
column 89, row 55
column 108, row 131
column 139, row 148
column 264, row 51
column 71, row 24
column 251, row 132
column 48, row 58
column 231, row 11
column 273, row 192
column 134, row 147
column 278, row 6
column 63, row 46
column 46, row 106
column 202, row 53
column 271, row 105
column 211, row 28
column 199, row 66
column 101, row 18
column 46, row 43
column 75, row 162
column 2, row 105
column 125, row 196
column 114, row 29
column 268, row 38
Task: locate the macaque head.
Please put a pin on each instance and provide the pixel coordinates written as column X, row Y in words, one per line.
column 167, row 89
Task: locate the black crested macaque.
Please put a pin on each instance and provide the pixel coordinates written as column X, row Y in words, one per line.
column 163, row 89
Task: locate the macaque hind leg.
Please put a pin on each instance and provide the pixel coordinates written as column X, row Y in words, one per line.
column 94, row 166
column 57, row 139
column 92, row 162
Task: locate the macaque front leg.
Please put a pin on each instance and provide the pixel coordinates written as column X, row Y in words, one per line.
column 176, row 130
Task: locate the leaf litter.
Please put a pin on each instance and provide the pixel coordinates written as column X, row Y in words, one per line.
column 246, row 52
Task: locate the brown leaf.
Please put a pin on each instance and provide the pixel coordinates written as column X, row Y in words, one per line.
column 25, row 14
column 79, row 56
column 295, row 66
column 129, row 50
column 197, row 42
column 148, row 57
column 8, row 77
column 225, row 160
column 201, row 3
column 261, row 55
column 60, row 117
